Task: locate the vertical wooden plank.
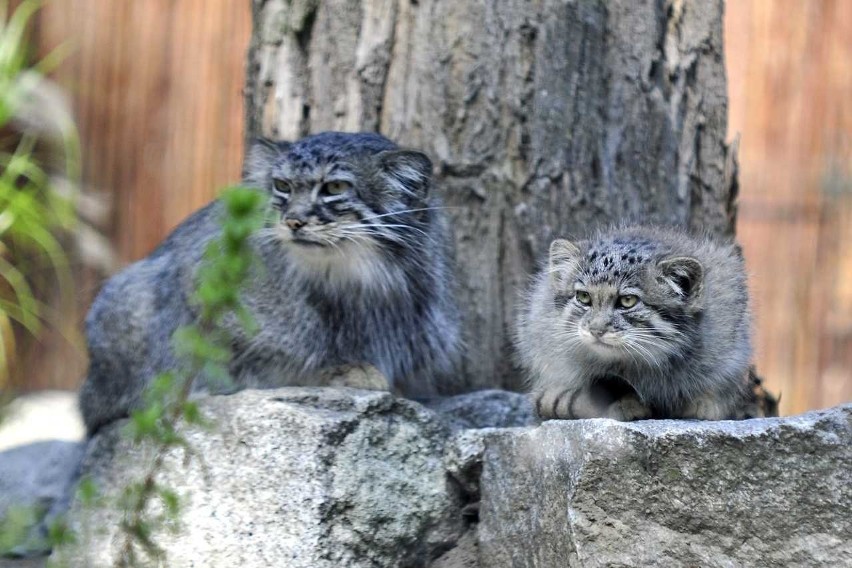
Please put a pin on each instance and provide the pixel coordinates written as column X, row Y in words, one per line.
column 788, row 64
column 156, row 89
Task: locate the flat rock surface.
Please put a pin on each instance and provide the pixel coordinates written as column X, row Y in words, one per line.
column 767, row 492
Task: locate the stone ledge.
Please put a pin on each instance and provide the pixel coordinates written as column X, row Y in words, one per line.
column 669, row 493
column 340, row 477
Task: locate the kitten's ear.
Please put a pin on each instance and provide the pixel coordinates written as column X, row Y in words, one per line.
column 563, row 261
column 684, row 275
column 260, row 159
column 408, row 171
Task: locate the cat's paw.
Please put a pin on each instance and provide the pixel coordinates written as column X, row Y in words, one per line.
column 356, row 376
column 627, row 409
column 706, row 407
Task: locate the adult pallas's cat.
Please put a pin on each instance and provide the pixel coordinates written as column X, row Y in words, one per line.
column 354, row 268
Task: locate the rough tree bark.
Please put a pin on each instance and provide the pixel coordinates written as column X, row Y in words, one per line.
column 543, row 118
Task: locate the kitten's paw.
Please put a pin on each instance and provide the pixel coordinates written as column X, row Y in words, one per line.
column 356, row 376
column 706, row 407
column 627, row 409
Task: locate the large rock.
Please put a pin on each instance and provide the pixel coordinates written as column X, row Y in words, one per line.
column 296, row 477
column 485, row 409
column 769, row 492
column 303, row 477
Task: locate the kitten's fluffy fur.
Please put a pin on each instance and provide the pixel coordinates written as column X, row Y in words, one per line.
column 350, row 273
column 638, row 322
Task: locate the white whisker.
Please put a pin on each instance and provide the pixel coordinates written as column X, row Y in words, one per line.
column 403, row 211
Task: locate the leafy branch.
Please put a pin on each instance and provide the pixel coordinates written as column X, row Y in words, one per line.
column 203, row 350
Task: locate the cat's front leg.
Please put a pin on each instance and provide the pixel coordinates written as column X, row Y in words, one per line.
column 707, row 407
column 556, row 402
column 588, row 401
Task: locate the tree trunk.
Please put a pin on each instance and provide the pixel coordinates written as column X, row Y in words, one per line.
column 543, row 118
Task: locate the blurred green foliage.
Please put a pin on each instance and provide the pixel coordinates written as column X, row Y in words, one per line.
column 33, row 207
column 36, row 198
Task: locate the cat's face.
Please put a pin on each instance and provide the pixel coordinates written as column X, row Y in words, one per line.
column 348, row 194
column 623, row 300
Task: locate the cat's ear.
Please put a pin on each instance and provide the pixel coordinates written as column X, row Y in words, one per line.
column 408, row 171
column 685, row 276
column 563, row 262
column 260, row 159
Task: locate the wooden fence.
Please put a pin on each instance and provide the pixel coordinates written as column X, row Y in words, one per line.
column 157, row 91
column 790, row 85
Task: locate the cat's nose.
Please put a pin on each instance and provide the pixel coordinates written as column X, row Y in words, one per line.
column 295, row 224
column 597, row 330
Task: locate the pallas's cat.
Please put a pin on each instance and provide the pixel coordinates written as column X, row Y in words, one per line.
column 638, row 322
column 353, row 268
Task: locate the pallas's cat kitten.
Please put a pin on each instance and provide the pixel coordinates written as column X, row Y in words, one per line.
column 354, row 268
column 638, row 322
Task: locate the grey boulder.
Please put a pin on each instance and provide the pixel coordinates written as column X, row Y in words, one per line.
column 318, row 477
column 766, row 492
column 485, row 409
column 296, row 477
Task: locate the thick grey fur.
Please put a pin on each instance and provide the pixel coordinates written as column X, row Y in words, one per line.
column 367, row 279
column 683, row 350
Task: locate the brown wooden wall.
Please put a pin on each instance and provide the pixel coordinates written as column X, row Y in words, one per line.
column 790, row 85
column 157, row 90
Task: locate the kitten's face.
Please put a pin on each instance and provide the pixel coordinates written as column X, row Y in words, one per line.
column 620, row 301
column 342, row 198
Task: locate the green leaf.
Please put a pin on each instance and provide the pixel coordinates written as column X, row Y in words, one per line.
column 145, row 422
column 218, row 377
column 189, row 342
column 191, row 413
column 59, row 533
column 246, row 320
column 87, row 491
column 160, row 389
column 171, row 502
column 23, row 293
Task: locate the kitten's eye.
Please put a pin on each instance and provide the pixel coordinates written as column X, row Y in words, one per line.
column 628, row 301
column 282, row 187
column 583, row 297
column 335, row 187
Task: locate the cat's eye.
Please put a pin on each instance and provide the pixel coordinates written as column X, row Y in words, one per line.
column 335, row 187
column 583, row 297
column 282, row 187
column 628, row 301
